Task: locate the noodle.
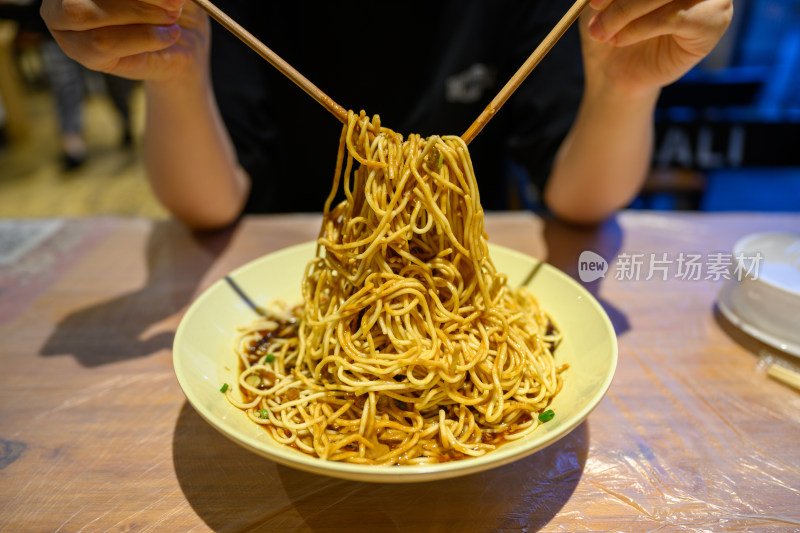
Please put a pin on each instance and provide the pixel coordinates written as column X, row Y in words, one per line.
column 409, row 347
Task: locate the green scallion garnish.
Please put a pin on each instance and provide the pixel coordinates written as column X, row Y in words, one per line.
column 263, row 413
column 269, row 358
column 546, row 416
column 224, row 387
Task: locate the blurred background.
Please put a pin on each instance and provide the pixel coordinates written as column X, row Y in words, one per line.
column 69, row 137
column 728, row 134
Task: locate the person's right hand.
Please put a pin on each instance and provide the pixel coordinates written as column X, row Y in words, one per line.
column 153, row 40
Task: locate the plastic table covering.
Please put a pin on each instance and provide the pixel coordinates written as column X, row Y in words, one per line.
column 96, row 435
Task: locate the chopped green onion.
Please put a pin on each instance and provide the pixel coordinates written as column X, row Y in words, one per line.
column 269, row 358
column 224, row 387
column 441, row 160
column 546, row 416
column 263, row 413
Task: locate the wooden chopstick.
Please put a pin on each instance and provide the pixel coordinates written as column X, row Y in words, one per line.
column 274, row 59
column 516, row 80
column 784, row 375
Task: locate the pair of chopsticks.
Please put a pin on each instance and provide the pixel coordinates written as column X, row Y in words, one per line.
column 341, row 113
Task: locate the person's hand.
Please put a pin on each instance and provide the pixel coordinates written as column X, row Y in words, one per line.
column 153, row 40
column 642, row 45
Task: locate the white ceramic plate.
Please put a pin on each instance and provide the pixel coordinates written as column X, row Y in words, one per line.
column 762, row 298
column 204, row 360
column 730, row 305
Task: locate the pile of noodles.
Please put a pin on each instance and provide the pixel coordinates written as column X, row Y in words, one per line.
column 408, row 347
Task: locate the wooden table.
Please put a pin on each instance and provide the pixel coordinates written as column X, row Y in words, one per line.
column 97, row 435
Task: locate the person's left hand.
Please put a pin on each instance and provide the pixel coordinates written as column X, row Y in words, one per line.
column 642, row 45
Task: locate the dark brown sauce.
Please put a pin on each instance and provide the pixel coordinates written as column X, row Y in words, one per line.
column 263, row 346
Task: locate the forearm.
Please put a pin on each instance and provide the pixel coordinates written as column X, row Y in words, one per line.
column 631, row 48
column 605, row 157
column 190, row 160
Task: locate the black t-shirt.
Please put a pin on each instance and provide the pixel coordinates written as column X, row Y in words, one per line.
column 425, row 67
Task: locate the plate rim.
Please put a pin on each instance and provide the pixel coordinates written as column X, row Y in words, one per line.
column 743, row 242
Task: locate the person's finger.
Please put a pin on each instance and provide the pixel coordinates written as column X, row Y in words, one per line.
column 101, row 48
column 134, row 66
column 169, row 5
column 697, row 23
column 81, row 15
column 599, row 4
column 616, row 14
